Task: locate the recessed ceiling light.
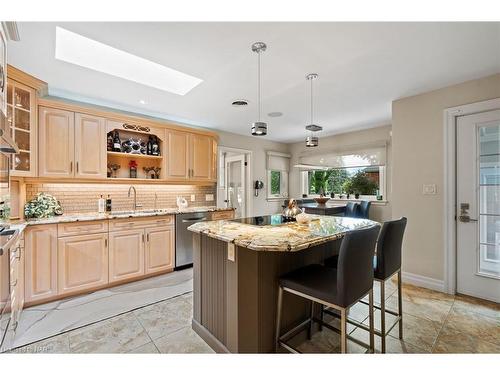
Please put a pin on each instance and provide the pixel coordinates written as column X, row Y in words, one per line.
column 275, row 114
column 142, row 101
column 239, row 103
column 77, row 49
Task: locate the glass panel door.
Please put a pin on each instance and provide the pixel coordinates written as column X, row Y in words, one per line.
column 489, row 200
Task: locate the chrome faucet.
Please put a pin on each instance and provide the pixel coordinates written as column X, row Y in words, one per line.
column 136, row 206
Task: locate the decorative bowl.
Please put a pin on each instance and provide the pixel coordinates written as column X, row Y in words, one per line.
column 303, row 218
column 321, row 200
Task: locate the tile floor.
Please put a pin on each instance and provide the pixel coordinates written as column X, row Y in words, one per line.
column 433, row 323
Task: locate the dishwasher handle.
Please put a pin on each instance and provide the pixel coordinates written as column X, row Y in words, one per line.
column 194, row 220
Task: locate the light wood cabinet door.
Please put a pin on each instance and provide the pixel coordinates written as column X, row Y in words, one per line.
column 160, row 249
column 82, row 262
column 201, row 157
column 40, row 262
column 126, row 254
column 177, row 155
column 56, row 144
column 90, row 146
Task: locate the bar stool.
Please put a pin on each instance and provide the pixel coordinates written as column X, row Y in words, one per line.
column 338, row 288
column 386, row 263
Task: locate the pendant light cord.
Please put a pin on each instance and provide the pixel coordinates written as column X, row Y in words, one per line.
column 258, row 84
column 311, row 101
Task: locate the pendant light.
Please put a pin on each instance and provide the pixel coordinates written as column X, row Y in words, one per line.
column 312, row 140
column 259, row 128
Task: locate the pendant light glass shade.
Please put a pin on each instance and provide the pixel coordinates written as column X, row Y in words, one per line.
column 312, row 141
column 259, row 128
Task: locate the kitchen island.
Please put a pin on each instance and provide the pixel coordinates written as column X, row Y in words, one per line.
column 237, row 264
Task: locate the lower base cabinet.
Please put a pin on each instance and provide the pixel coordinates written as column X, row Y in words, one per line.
column 41, row 262
column 126, row 254
column 160, row 249
column 71, row 258
column 82, row 262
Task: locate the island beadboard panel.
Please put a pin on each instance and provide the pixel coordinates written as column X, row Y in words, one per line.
column 82, row 198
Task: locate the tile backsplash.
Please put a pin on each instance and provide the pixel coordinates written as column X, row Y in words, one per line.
column 82, row 198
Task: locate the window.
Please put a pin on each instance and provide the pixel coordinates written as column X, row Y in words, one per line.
column 368, row 182
column 277, row 174
column 277, row 184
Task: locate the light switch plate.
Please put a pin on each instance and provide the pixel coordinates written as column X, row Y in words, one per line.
column 193, row 198
column 230, row 252
column 429, row 189
column 209, row 197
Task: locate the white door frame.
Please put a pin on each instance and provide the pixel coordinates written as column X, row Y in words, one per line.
column 449, row 185
column 243, row 159
column 248, row 177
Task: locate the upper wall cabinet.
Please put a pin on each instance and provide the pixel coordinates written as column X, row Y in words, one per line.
column 56, row 143
column 71, row 145
column 201, row 157
column 21, row 116
column 178, row 155
column 90, row 146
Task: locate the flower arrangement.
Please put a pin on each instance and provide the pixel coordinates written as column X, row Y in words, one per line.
column 41, row 206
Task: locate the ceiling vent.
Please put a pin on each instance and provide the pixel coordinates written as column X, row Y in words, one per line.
column 239, row 103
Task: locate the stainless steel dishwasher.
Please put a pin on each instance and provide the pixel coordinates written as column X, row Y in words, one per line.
column 184, row 238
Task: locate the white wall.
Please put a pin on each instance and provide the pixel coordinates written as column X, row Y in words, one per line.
column 417, row 144
column 378, row 212
column 258, row 146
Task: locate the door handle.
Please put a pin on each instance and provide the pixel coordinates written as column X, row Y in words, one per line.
column 466, row 219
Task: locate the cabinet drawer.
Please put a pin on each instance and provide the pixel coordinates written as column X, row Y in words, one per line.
column 222, row 215
column 138, row 223
column 87, row 227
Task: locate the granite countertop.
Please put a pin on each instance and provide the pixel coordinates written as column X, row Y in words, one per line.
column 116, row 215
column 284, row 237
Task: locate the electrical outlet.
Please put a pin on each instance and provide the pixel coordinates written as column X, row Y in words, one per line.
column 209, row 197
column 193, row 198
column 429, row 189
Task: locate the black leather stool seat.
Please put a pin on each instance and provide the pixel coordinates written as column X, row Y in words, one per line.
column 314, row 280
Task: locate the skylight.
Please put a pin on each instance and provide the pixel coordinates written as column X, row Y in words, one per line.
column 77, row 49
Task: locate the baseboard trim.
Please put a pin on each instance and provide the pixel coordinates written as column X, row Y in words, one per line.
column 210, row 339
column 424, row 281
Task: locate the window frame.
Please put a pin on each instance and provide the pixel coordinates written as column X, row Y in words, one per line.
column 304, row 184
column 283, row 185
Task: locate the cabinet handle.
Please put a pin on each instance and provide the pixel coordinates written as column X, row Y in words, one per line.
column 105, row 242
column 143, row 237
column 77, row 167
column 71, row 166
column 147, row 237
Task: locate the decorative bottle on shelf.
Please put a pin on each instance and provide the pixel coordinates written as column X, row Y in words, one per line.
column 149, row 146
column 155, row 150
column 117, row 145
column 110, row 141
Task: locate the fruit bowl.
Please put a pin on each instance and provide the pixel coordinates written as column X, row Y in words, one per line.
column 321, row 200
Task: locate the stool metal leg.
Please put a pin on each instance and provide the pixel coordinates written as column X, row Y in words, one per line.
column 382, row 314
column 278, row 318
column 321, row 316
column 343, row 331
column 400, row 306
column 311, row 316
column 370, row 315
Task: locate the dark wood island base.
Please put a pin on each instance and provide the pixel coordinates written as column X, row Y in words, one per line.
column 235, row 300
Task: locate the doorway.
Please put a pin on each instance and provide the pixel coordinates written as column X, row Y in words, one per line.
column 234, row 180
column 478, row 205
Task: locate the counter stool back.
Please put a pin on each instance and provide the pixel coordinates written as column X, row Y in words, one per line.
column 337, row 288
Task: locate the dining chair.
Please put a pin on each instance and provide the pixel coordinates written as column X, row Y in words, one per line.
column 351, row 209
column 386, row 263
column 337, row 288
column 364, row 209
